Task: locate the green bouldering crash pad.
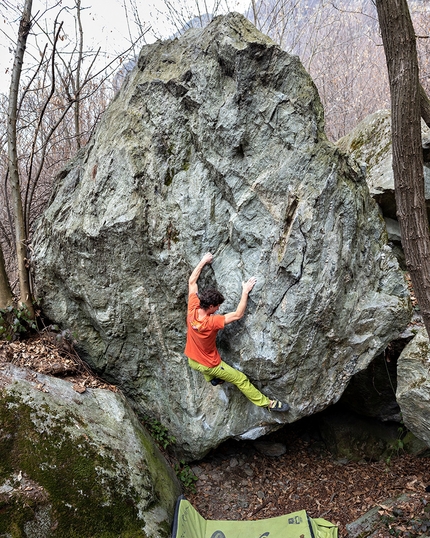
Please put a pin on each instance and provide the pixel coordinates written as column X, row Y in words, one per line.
column 188, row 523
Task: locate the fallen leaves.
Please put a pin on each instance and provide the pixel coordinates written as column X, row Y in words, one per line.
column 41, row 387
column 21, row 486
column 411, row 290
column 308, row 477
column 409, row 518
column 79, row 388
column 48, row 355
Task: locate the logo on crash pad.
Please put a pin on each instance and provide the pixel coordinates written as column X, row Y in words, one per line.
column 295, row 520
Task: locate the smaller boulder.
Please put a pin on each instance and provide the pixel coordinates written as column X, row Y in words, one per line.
column 413, row 385
column 414, row 446
column 370, row 145
column 77, row 464
column 371, row 523
column 268, row 448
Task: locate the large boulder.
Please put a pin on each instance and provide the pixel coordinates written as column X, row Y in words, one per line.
column 413, row 386
column 216, row 143
column 77, row 464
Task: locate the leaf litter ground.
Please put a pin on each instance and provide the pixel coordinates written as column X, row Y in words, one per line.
column 239, row 482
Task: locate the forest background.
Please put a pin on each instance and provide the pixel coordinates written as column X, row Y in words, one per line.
column 65, row 85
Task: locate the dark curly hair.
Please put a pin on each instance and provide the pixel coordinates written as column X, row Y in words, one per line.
column 210, row 297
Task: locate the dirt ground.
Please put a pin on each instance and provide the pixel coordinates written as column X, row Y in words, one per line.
column 287, row 471
column 238, row 481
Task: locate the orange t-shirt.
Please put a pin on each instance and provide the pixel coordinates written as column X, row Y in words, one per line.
column 201, row 335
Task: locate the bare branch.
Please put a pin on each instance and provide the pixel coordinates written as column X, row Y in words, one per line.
column 24, row 283
column 36, row 132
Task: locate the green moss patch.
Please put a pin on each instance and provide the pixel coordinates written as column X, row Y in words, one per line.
column 86, row 498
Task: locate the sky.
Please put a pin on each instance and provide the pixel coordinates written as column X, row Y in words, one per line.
column 104, row 22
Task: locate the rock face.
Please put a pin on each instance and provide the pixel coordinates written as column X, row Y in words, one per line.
column 370, row 144
column 216, row 143
column 413, row 386
column 77, row 464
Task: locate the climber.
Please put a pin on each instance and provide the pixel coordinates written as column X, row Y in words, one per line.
column 202, row 327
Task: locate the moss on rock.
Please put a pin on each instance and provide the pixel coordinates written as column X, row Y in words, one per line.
column 85, row 500
column 60, row 479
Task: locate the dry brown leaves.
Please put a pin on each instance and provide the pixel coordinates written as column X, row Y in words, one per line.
column 243, row 484
column 22, row 487
column 411, row 290
column 410, row 517
column 48, row 354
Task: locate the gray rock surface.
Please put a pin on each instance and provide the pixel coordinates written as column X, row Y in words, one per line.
column 370, row 524
column 370, row 144
column 413, row 386
column 77, row 464
column 216, row 143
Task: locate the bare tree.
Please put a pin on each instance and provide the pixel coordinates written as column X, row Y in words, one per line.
column 184, row 15
column 20, row 232
column 399, row 40
column 6, row 297
column 49, row 115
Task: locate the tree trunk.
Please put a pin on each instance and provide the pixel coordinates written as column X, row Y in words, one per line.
column 398, row 37
column 20, row 235
column 6, row 297
column 78, row 76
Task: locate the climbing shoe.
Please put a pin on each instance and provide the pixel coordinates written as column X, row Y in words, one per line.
column 215, row 381
column 276, row 405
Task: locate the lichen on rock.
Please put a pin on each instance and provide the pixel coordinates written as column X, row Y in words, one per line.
column 413, row 389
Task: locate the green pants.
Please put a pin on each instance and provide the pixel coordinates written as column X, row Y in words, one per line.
column 227, row 373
